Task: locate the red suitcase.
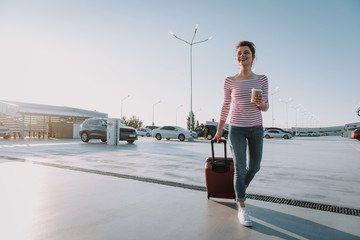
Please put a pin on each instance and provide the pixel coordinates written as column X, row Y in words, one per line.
column 219, row 175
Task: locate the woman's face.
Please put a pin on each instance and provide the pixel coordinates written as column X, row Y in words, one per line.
column 244, row 56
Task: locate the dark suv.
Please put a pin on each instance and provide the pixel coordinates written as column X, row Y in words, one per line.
column 209, row 131
column 95, row 128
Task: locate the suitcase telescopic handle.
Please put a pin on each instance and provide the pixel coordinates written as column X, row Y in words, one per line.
column 212, row 149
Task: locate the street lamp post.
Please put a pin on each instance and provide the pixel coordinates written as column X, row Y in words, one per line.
column 191, row 44
column 296, row 108
column 276, row 90
column 287, row 115
column 176, row 113
column 304, row 117
column 153, row 123
column 122, row 104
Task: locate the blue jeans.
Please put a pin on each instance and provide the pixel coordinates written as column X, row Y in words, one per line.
column 240, row 137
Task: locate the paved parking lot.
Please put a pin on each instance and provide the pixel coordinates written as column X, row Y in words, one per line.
column 44, row 198
column 42, row 202
column 318, row 169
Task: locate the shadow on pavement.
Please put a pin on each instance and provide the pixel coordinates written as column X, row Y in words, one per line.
column 287, row 226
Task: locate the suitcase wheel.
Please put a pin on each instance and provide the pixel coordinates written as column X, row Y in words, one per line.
column 208, row 196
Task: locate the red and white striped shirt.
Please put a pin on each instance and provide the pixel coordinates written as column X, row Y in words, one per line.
column 244, row 112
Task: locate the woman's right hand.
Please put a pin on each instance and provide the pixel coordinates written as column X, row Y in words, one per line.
column 218, row 135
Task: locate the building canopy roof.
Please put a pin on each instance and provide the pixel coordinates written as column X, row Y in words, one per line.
column 16, row 109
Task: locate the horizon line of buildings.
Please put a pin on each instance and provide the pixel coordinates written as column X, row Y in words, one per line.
column 39, row 120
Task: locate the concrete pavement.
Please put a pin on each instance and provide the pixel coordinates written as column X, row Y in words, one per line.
column 316, row 169
column 41, row 202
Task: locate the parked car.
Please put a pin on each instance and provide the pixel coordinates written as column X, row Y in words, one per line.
column 95, row 128
column 151, row 127
column 356, row 134
column 193, row 134
column 314, row 134
column 209, row 131
column 273, row 133
column 301, row 134
column 4, row 132
column 280, row 129
column 199, row 131
column 144, row 132
column 171, row 132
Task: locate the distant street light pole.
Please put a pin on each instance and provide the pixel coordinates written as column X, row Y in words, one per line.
column 176, row 113
column 313, row 120
column 276, row 90
column 287, row 115
column 122, row 104
column 307, row 118
column 153, row 123
column 191, row 44
column 304, row 117
column 296, row 110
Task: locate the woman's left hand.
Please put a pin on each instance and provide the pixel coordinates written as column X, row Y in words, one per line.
column 258, row 99
column 260, row 103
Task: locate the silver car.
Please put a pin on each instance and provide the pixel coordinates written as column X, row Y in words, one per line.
column 273, row 133
column 144, row 132
column 171, row 132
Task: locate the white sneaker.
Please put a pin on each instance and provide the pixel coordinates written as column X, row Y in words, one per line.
column 244, row 217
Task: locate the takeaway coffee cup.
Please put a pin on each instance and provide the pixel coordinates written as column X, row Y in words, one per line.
column 255, row 93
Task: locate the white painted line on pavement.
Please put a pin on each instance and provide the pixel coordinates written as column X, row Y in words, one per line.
column 356, row 147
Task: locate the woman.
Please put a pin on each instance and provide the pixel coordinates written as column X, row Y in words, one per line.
column 245, row 122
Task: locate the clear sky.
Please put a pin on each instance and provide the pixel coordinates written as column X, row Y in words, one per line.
column 91, row 54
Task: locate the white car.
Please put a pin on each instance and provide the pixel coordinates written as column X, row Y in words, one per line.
column 314, row 134
column 306, row 134
column 273, row 133
column 144, row 132
column 171, row 132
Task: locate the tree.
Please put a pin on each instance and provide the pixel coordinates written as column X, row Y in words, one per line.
column 197, row 123
column 124, row 121
column 134, row 122
column 188, row 121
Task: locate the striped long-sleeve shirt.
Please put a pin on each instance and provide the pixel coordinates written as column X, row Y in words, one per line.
column 238, row 92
